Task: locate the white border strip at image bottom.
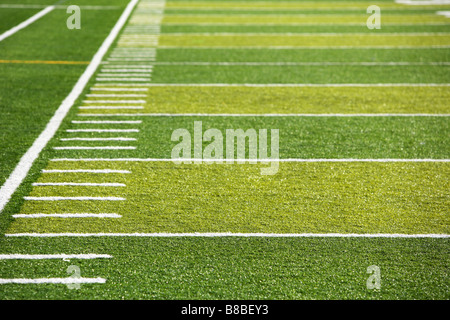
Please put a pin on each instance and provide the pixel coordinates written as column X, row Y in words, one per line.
column 228, row 234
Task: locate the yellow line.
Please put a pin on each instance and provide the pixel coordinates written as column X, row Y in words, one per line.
column 43, row 62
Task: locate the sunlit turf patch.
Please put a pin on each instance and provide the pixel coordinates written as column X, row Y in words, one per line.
column 301, row 198
column 173, row 28
column 284, row 100
column 300, row 19
column 271, row 40
column 305, row 55
column 300, row 74
column 300, row 137
column 236, row 268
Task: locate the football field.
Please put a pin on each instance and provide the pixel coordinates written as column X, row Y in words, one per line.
column 208, row 149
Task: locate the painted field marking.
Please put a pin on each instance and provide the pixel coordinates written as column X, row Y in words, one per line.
column 85, row 171
column 53, row 256
column 102, row 130
column 114, row 101
column 74, row 199
column 26, row 23
column 99, row 139
column 229, row 234
column 93, row 95
column 294, row 85
column 116, row 74
column 123, row 79
column 112, row 107
column 108, row 122
column 66, row 215
column 53, row 281
column 95, row 148
column 423, row 3
column 444, row 13
column 119, row 89
column 189, row 63
column 241, row 160
column 74, row 184
column 25, row 163
column 307, row 34
column 305, row 47
column 263, row 115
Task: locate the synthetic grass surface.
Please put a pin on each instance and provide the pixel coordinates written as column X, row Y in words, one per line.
column 285, row 100
column 234, row 268
column 300, row 198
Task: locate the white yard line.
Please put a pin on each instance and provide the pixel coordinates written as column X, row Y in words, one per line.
column 68, row 280
column 369, row 64
column 85, row 171
column 82, row 184
column 25, row 163
column 99, row 139
column 294, row 85
column 26, row 23
column 240, row 160
column 66, row 215
column 264, row 115
column 229, row 234
column 74, row 199
column 95, row 148
column 53, row 256
column 102, row 130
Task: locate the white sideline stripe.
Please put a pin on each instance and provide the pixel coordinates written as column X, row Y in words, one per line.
column 25, row 163
column 38, row 184
column 108, row 122
column 66, row 215
column 99, row 139
column 53, row 281
column 229, row 234
column 263, row 115
column 300, row 85
column 95, row 148
column 300, row 24
column 102, row 130
column 112, row 107
column 85, row 171
column 114, row 101
column 188, row 63
column 240, row 160
column 26, row 23
column 52, row 256
column 74, row 198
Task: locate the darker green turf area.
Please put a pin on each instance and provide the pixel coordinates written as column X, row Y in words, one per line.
column 301, row 74
column 173, row 28
column 10, row 18
column 300, row 137
column 50, row 39
column 304, row 55
column 233, row 268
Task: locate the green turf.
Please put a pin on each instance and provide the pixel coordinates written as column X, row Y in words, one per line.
column 305, row 55
column 237, row 268
column 287, row 100
column 173, row 28
column 10, row 18
column 301, row 19
column 301, row 197
column 271, row 40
